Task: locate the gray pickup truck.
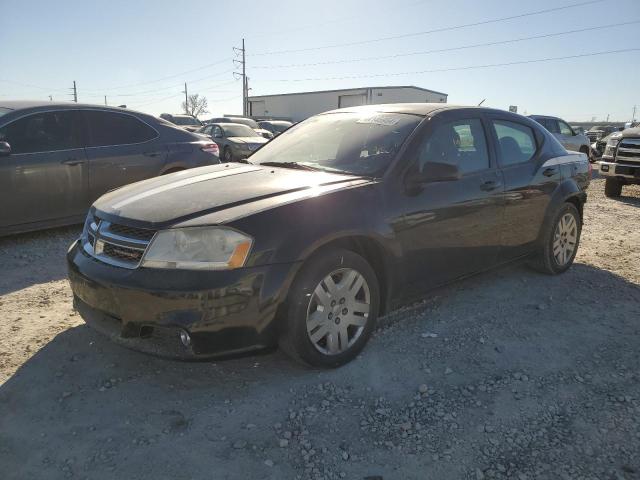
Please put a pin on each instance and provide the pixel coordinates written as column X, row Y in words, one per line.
column 620, row 163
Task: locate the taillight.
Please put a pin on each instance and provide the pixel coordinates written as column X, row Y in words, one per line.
column 211, row 148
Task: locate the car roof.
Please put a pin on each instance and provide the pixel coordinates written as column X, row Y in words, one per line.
column 422, row 109
column 24, row 104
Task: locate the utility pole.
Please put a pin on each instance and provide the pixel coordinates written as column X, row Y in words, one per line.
column 75, row 92
column 243, row 75
column 633, row 117
column 50, row 98
column 607, row 118
column 186, row 99
column 105, row 100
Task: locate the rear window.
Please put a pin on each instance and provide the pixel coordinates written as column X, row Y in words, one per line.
column 516, row 141
column 245, row 121
column 112, row 128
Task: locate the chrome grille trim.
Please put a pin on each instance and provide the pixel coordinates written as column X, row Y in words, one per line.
column 628, row 150
column 102, row 243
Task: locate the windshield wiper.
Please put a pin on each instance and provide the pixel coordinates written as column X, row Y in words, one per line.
column 243, row 160
column 294, row 165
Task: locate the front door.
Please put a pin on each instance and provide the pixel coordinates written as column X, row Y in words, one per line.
column 45, row 178
column 451, row 228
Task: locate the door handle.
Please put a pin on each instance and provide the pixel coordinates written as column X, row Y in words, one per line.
column 489, row 186
column 151, row 154
column 72, row 161
column 549, row 172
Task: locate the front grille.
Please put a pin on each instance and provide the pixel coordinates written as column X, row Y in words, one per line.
column 592, row 136
column 115, row 244
column 628, row 150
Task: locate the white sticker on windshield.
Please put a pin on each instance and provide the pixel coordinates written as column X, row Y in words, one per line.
column 385, row 120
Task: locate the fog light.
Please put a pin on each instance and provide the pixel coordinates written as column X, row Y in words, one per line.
column 185, row 338
column 604, row 168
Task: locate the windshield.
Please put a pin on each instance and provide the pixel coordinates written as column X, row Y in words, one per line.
column 355, row 143
column 245, row 121
column 238, row 131
column 186, row 121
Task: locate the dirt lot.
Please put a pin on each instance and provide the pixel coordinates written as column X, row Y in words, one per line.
column 510, row 374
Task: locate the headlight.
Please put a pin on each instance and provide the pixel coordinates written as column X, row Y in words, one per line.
column 198, row 248
column 611, row 146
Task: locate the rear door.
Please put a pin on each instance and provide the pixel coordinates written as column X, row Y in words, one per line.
column 452, row 228
column 45, row 177
column 528, row 188
column 122, row 149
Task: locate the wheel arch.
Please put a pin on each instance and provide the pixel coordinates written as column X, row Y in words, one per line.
column 567, row 192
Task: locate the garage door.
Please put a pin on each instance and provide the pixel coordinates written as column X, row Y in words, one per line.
column 352, row 100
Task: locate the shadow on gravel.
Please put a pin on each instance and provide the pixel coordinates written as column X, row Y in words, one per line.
column 635, row 201
column 32, row 258
column 84, row 405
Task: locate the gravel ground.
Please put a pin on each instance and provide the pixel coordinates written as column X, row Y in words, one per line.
column 510, row 374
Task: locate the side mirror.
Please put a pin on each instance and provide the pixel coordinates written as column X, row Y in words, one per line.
column 432, row 172
column 5, row 149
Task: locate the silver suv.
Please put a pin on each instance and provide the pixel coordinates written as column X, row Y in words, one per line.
column 567, row 136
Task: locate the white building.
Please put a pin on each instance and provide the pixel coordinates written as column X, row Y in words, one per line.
column 298, row 106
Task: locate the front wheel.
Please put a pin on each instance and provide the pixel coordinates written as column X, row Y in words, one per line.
column 227, row 155
column 332, row 309
column 560, row 242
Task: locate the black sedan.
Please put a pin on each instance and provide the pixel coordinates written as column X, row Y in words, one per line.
column 336, row 221
column 236, row 141
column 57, row 158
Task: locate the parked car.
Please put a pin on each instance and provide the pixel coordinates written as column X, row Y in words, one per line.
column 249, row 122
column 189, row 123
column 598, row 132
column 236, row 141
column 620, row 163
column 276, row 127
column 566, row 135
column 328, row 226
column 57, row 158
column 578, row 129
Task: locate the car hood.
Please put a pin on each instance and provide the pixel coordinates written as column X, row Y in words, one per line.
column 219, row 192
column 248, row 140
column 631, row 132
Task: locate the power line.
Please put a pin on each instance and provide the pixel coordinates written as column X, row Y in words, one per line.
column 453, row 69
column 451, row 49
column 164, row 78
column 427, row 32
column 30, row 85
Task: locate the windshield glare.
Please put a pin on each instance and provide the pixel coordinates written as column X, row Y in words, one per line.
column 355, row 143
column 238, row 131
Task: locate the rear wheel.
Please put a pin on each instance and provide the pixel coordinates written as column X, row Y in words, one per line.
column 612, row 188
column 332, row 309
column 559, row 242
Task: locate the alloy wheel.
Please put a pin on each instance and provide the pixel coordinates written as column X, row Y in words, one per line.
column 338, row 311
column 565, row 238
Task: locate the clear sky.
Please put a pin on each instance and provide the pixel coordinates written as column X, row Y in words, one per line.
column 140, row 53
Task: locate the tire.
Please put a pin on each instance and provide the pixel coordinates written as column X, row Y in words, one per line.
column 612, row 188
column 343, row 339
column 546, row 260
column 227, row 156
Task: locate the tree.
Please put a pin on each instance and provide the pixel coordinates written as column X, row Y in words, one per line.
column 196, row 105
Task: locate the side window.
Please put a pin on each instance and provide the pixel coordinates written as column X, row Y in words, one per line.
column 218, row 132
column 461, row 143
column 43, row 132
column 111, row 128
column 516, row 142
column 565, row 129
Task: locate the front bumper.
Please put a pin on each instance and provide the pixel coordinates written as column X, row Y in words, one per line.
column 626, row 171
column 224, row 312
